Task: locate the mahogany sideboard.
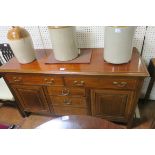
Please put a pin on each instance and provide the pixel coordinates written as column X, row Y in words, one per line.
column 99, row 88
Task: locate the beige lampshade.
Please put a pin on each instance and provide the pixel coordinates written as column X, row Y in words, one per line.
column 57, row 27
column 118, row 44
column 63, row 42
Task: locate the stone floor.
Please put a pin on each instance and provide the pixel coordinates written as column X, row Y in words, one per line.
column 10, row 115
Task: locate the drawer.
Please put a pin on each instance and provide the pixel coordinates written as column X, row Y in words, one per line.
column 34, row 79
column 101, row 82
column 62, row 110
column 69, row 101
column 66, row 91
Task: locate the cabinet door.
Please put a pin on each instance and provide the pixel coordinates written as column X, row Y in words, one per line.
column 31, row 98
column 111, row 104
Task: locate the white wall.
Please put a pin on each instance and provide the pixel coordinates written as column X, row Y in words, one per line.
column 87, row 36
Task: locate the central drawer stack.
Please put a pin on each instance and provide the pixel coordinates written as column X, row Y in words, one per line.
column 68, row 100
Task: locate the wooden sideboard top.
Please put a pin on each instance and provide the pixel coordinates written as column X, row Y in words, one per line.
column 98, row 66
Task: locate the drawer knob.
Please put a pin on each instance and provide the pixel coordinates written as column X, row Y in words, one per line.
column 51, row 81
column 67, row 101
column 120, row 84
column 79, row 84
column 65, row 92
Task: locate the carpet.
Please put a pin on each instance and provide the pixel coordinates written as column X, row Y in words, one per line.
column 2, row 126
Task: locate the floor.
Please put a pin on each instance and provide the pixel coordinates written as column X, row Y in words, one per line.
column 14, row 117
column 147, row 112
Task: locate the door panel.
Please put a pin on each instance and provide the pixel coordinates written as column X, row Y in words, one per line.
column 111, row 104
column 31, row 98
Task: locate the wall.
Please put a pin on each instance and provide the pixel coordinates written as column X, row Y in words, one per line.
column 87, row 36
column 93, row 37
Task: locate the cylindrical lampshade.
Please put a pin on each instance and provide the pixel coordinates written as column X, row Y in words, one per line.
column 21, row 44
column 118, row 44
column 63, row 42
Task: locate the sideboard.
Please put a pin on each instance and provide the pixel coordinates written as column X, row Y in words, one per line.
column 98, row 88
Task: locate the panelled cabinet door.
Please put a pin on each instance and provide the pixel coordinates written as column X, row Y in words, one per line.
column 31, row 98
column 111, row 104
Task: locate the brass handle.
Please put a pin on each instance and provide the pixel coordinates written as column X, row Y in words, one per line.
column 79, row 84
column 65, row 92
column 51, row 81
column 17, row 79
column 120, row 84
column 67, row 101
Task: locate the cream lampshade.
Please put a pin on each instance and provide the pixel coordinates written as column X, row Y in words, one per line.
column 118, row 44
column 63, row 42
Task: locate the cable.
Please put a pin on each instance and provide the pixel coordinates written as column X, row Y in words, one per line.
column 144, row 41
column 42, row 40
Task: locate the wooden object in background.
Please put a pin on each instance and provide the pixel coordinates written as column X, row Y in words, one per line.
column 78, row 122
column 100, row 89
column 151, row 69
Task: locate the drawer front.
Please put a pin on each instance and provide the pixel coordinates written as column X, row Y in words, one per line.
column 101, row 82
column 62, row 110
column 66, row 91
column 34, row 79
column 69, row 101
